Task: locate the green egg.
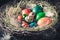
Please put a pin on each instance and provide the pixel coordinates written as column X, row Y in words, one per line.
column 39, row 15
column 24, row 15
column 37, row 9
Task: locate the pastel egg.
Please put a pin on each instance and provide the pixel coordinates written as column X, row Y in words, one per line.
column 24, row 24
column 44, row 21
column 39, row 15
column 32, row 24
column 20, row 17
column 26, row 11
column 37, row 9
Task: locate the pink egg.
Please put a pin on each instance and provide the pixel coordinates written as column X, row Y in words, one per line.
column 44, row 21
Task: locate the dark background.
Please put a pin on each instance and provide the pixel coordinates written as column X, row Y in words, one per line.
column 2, row 2
column 40, row 36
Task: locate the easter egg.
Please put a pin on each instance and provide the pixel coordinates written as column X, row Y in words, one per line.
column 37, row 9
column 24, row 24
column 26, row 11
column 24, row 15
column 29, row 19
column 40, row 15
column 44, row 21
column 32, row 14
column 32, row 24
column 20, row 17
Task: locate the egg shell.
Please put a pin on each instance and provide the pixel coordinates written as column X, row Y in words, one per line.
column 40, row 15
column 20, row 17
column 24, row 24
column 26, row 11
column 44, row 21
column 37, row 9
column 32, row 24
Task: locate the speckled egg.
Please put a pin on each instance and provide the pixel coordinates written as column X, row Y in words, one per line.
column 29, row 19
column 44, row 21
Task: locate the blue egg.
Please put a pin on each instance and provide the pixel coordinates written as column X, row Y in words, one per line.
column 32, row 24
column 37, row 9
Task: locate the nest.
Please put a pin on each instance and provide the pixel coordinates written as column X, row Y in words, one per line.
column 12, row 11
